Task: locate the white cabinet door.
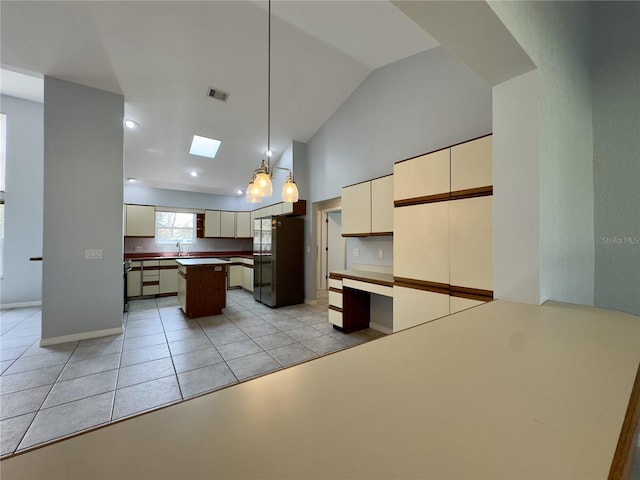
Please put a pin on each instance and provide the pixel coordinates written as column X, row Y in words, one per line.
column 276, row 209
column 356, row 209
column 235, row 275
column 212, row 223
column 471, row 231
column 168, row 276
column 228, row 224
column 243, row 225
column 421, row 242
column 422, row 176
column 471, row 164
column 413, row 307
column 287, row 208
column 247, row 278
column 140, row 221
column 382, row 205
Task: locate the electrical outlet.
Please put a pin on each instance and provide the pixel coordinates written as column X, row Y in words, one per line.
column 380, row 253
column 93, row 254
column 356, row 252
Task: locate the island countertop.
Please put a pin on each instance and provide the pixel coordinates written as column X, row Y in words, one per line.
column 199, row 262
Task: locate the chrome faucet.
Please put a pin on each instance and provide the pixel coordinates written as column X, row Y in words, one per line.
column 179, row 249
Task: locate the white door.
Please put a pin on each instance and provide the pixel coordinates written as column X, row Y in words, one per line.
column 336, row 243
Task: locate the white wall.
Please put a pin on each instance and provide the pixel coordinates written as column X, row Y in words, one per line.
column 83, row 171
column 22, row 279
column 556, row 36
column 516, row 186
column 616, row 162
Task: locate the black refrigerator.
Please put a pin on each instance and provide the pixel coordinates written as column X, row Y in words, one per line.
column 278, row 260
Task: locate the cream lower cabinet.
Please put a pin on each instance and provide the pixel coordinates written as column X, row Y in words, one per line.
column 421, row 242
column 471, row 238
column 247, row 278
column 168, row 276
column 150, row 277
column 413, row 307
column 235, row 276
column 335, row 302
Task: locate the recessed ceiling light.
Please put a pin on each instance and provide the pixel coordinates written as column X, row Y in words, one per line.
column 130, row 123
column 239, row 192
column 131, row 180
column 193, row 173
column 268, row 153
column 204, row 147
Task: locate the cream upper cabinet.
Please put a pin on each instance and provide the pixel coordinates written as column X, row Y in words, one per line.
column 471, row 164
column 421, row 242
column 287, row 208
column 212, row 223
column 382, row 205
column 277, row 209
column 243, row 225
column 471, row 232
column 140, row 221
column 422, row 176
column 356, row 209
column 228, row 224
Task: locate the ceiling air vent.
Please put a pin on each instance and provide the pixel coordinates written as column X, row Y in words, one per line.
column 218, row 94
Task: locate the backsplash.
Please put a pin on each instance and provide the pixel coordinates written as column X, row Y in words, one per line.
column 148, row 245
column 368, row 250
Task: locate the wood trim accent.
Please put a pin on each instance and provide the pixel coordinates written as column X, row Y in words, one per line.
column 471, row 293
column 335, row 309
column 623, row 458
column 382, row 234
column 170, row 294
column 371, row 179
column 407, row 202
column 369, row 280
column 299, row 209
column 356, row 234
column 425, row 285
column 472, row 193
column 135, row 269
column 154, row 282
column 335, row 276
column 336, row 290
column 445, row 148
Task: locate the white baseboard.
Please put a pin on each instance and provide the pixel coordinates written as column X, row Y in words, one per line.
column 21, row 304
column 310, row 302
column 380, row 328
column 80, row 336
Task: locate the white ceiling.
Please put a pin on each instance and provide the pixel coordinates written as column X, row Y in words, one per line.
column 163, row 55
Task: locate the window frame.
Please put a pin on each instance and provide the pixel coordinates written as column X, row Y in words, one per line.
column 174, row 240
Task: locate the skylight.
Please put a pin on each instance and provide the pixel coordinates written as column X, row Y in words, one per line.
column 204, row 147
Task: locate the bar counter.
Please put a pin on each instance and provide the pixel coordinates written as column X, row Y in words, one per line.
column 500, row 391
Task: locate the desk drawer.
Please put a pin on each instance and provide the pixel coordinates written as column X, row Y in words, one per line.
column 335, row 299
column 335, row 318
column 333, row 283
column 369, row 287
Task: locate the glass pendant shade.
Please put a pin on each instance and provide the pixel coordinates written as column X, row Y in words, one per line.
column 290, row 191
column 252, row 196
column 263, row 182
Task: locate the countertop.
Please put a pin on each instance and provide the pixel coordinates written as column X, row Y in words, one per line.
column 199, row 262
column 134, row 257
column 385, row 279
column 502, row 390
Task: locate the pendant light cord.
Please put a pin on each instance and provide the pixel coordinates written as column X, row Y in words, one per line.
column 269, row 87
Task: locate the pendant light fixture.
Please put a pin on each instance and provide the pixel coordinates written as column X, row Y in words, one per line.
column 261, row 185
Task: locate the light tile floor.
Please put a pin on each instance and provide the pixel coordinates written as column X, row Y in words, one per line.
column 163, row 357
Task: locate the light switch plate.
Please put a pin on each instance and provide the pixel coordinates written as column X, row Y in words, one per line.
column 380, row 253
column 93, row 254
column 356, row 252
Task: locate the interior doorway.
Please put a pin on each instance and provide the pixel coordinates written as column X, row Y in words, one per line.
column 332, row 245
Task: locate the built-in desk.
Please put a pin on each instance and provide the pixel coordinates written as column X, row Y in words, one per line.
column 350, row 297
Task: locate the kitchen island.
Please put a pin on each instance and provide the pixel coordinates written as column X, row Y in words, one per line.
column 202, row 286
